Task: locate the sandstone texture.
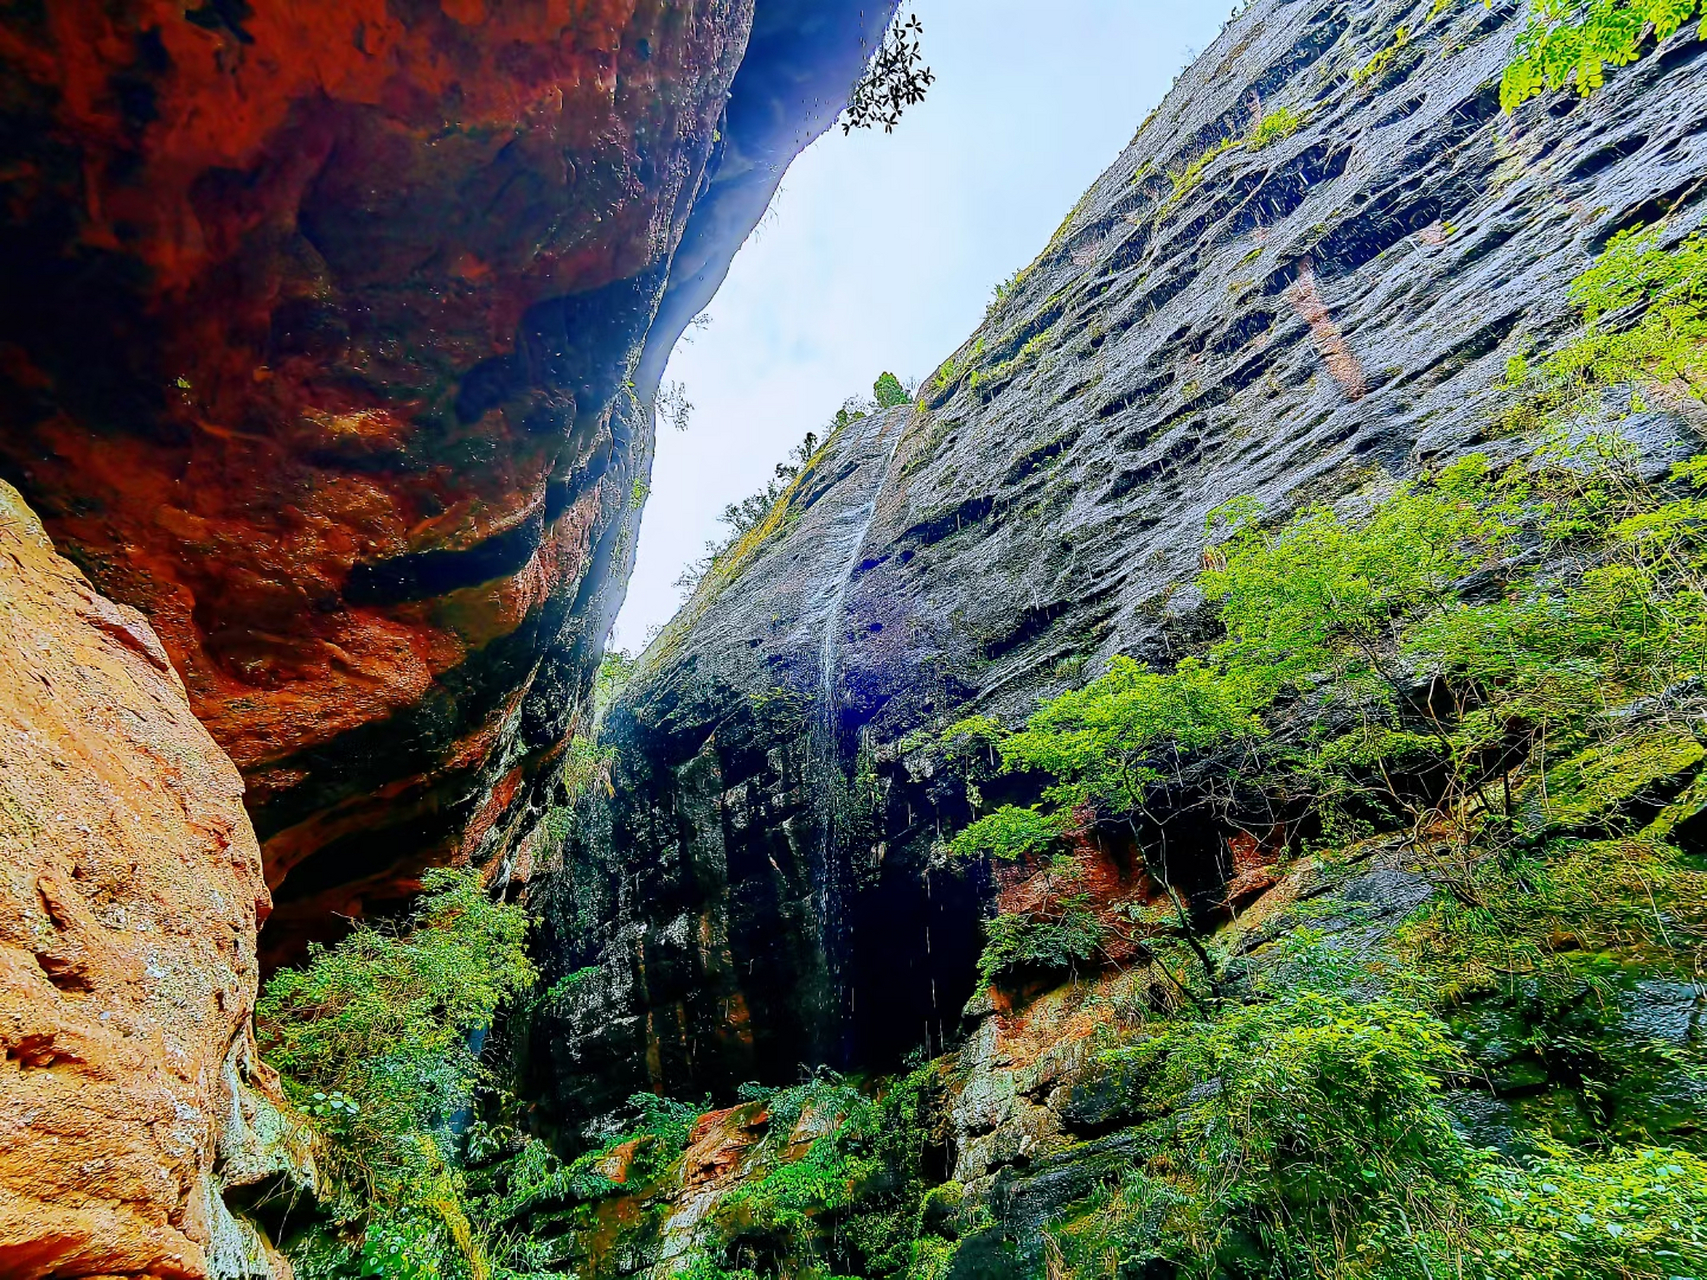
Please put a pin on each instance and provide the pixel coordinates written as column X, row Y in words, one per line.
column 130, row 891
column 330, row 336
column 1302, row 321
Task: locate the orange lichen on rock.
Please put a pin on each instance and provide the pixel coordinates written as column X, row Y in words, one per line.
column 720, row 1142
column 130, row 891
column 1342, row 365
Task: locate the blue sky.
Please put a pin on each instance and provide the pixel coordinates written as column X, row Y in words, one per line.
column 880, row 251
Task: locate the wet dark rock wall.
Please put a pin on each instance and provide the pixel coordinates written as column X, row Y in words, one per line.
column 1304, row 322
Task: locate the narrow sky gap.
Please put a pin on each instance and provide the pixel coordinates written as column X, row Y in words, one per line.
column 880, row 251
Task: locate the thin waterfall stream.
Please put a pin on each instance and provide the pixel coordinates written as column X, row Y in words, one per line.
column 855, row 524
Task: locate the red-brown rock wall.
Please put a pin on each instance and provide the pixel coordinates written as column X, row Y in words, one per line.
column 317, row 314
column 130, row 889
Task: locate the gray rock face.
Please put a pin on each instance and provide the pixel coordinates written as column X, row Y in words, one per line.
column 1304, row 321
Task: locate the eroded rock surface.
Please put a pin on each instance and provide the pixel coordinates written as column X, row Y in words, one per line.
column 328, row 344
column 130, row 890
column 1302, row 321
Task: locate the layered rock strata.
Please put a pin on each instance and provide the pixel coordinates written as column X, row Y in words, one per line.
column 130, row 890
column 1299, row 314
column 329, row 342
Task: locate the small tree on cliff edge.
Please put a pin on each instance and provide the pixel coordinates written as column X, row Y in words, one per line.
column 895, row 79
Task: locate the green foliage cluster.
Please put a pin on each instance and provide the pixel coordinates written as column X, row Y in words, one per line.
column 657, row 1137
column 1319, row 1131
column 1646, row 311
column 539, row 1209
column 1629, row 1213
column 1053, row 940
column 851, row 1203
column 586, row 767
column 1003, row 291
column 888, row 393
column 565, row 989
column 1275, row 126
column 1377, row 65
column 1507, row 669
column 1553, row 916
column 1310, row 1135
column 1029, row 351
column 1570, row 41
column 372, row 1038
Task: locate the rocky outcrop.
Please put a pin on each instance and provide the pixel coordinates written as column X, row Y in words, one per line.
column 130, row 890
column 1296, row 314
column 329, row 339
column 977, row 1163
column 710, row 886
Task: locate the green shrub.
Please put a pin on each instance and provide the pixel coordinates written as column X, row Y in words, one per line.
column 616, row 668
column 851, row 1203
column 1377, row 66
column 1576, row 40
column 888, row 392
column 1547, row 914
column 1000, row 294
column 1296, row 1136
column 1052, row 940
column 1310, row 1136
column 586, row 768
column 1276, row 126
column 383, row 1019
column 371, row 1037
column 1629, row 1214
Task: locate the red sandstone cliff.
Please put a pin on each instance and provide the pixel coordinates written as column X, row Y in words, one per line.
column 321, row 328
column 130, row 886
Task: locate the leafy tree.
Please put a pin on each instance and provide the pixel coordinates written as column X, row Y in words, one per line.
column 1327, row 596
column 372, row 1039
column 895, row 79
column 1275, row 126
column 888, row 392
column 1579, row 39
